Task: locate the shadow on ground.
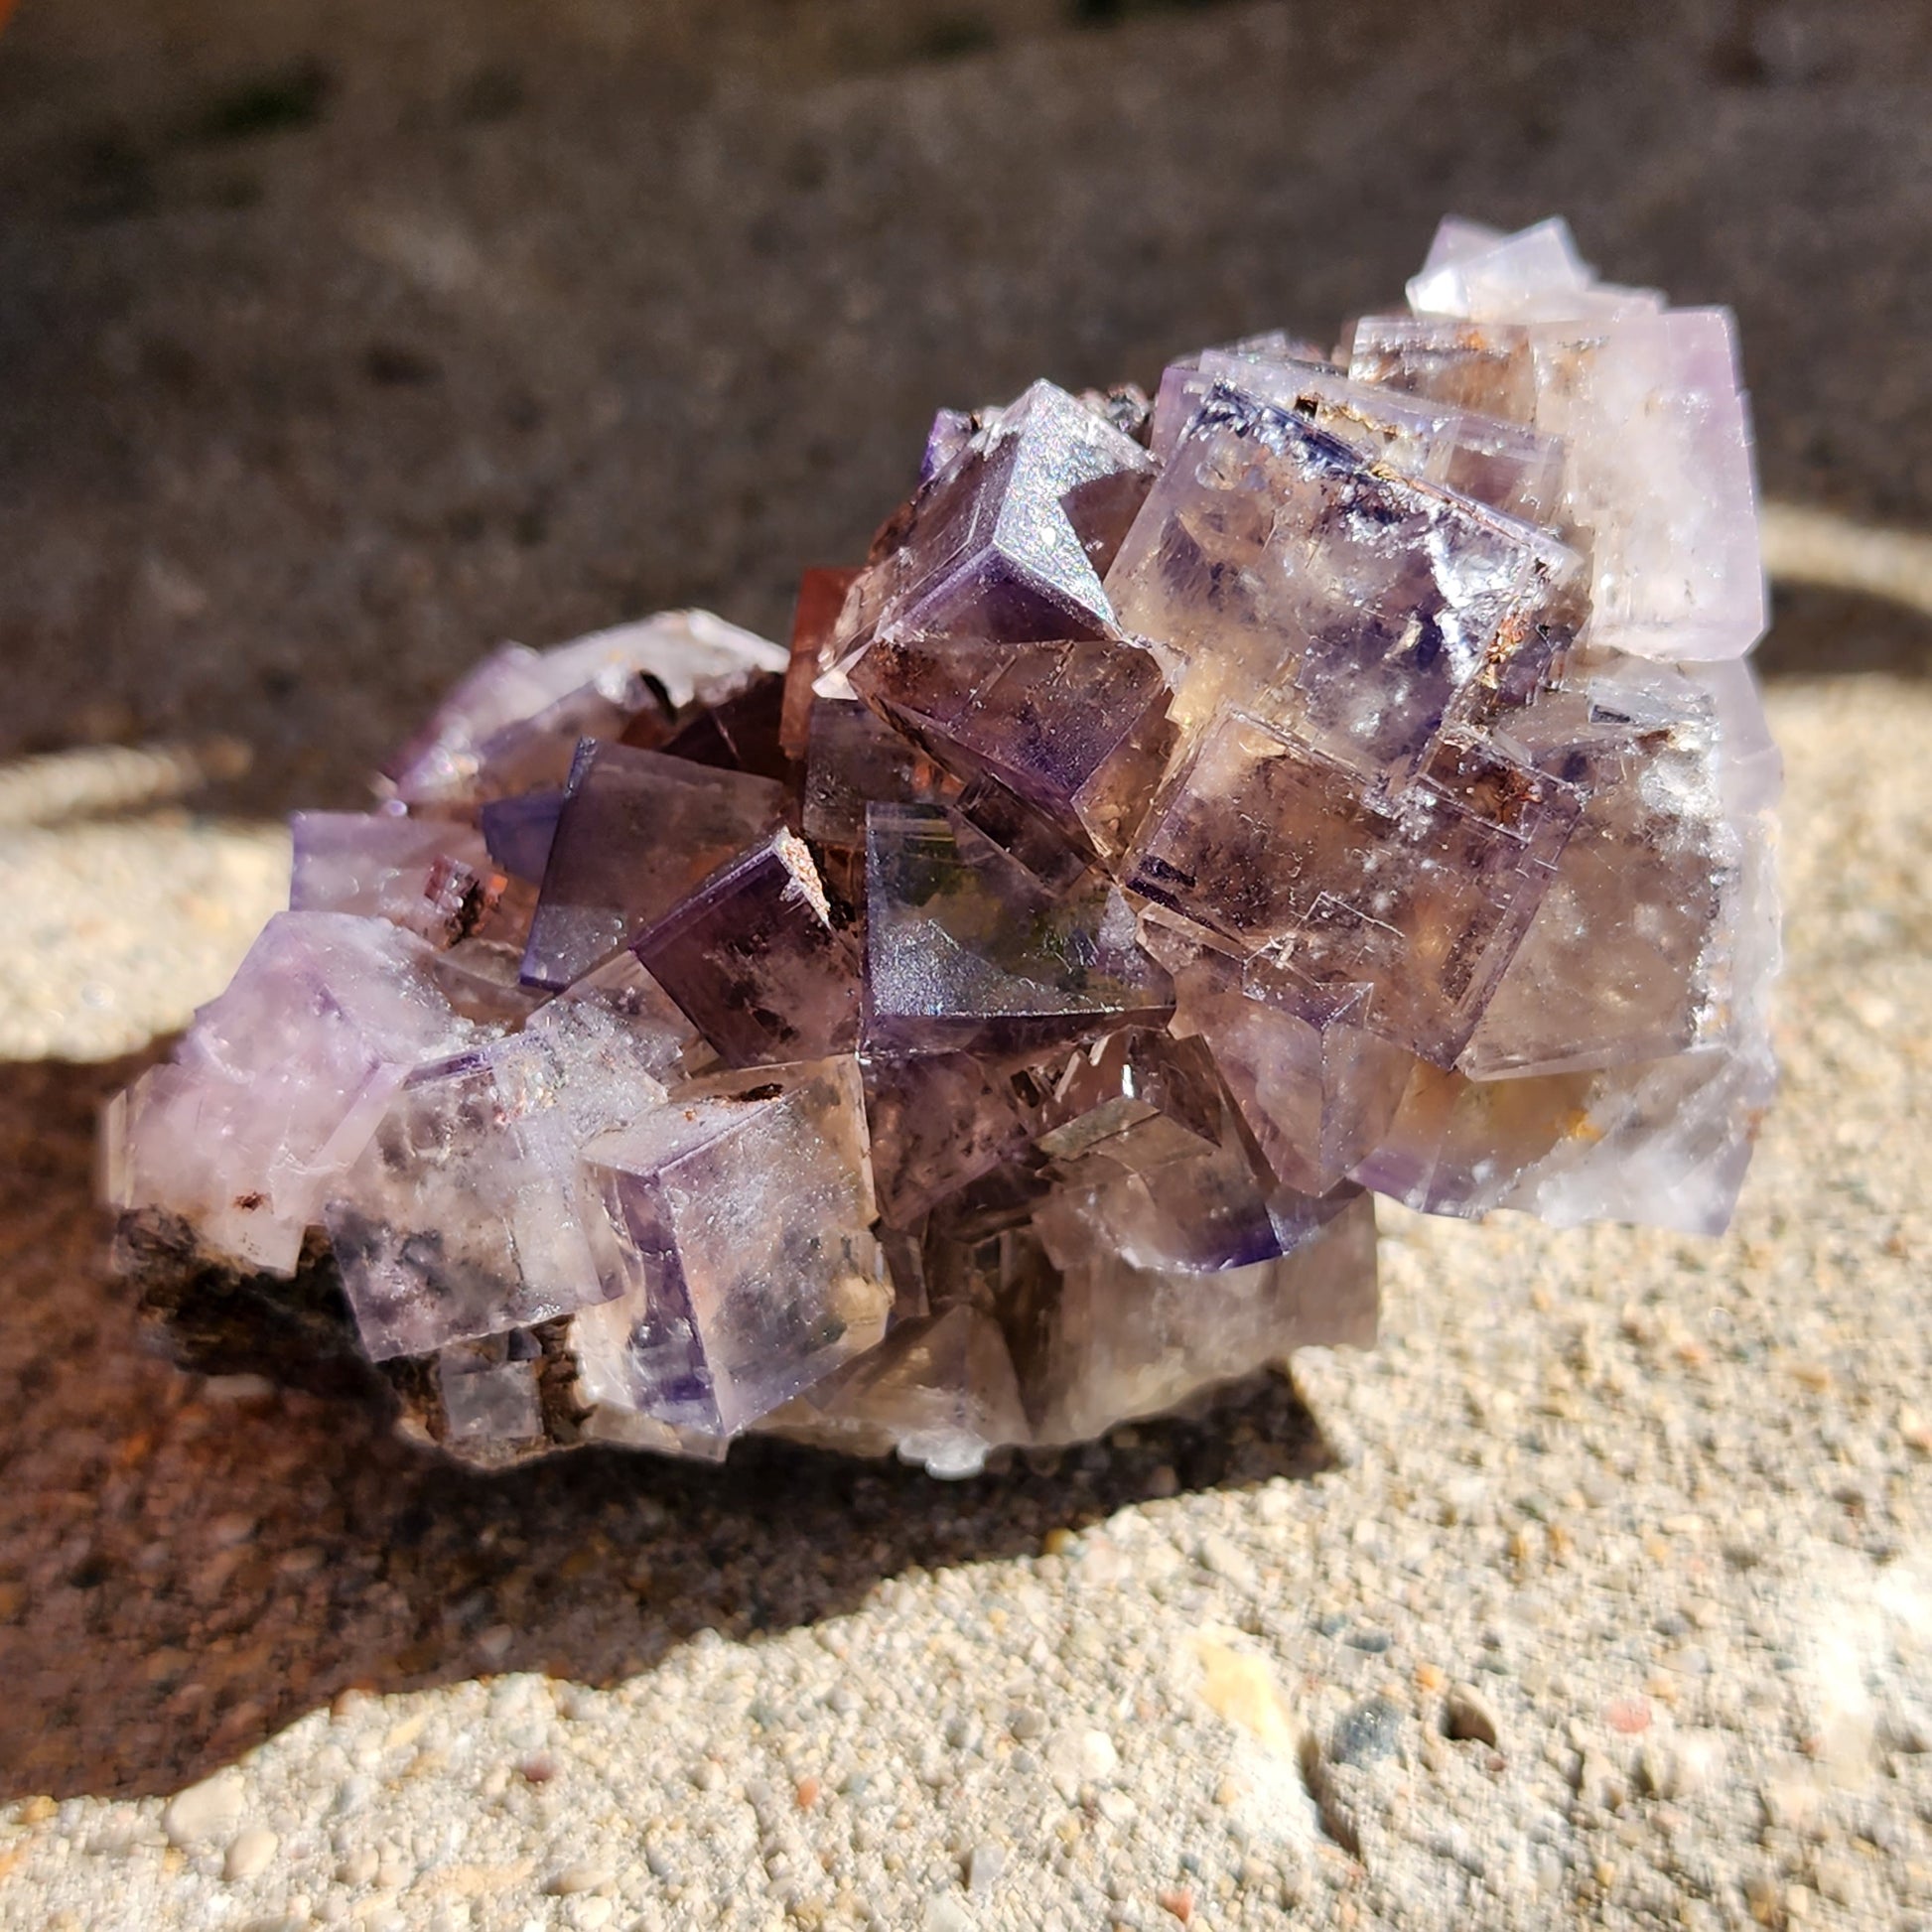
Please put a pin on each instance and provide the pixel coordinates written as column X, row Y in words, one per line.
column 182, row 1573
column 1819, row 633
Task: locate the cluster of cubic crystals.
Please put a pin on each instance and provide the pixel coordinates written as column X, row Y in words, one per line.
column 988, row 1019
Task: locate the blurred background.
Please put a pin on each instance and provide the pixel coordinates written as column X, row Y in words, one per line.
column 340, row 340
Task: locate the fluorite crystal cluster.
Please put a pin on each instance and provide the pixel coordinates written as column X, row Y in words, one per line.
column 990, row 1018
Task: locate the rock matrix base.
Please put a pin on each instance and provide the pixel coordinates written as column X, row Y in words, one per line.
column 990, row 1018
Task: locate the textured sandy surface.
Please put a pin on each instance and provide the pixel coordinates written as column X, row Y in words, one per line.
column 334, row 346
column 123, row 928
column 1661, row 1506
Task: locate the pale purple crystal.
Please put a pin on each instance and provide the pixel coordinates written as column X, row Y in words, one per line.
column 1642, row 945
column 989, row 1019
column 941, row 1391
column 1125, row 1340
column 490, row 1401
column 744, row 1266
column 1661, row 1142
column 434, row 878
column 516, row 720
column 1137, row 1098
column 1421, row 896
column 279, row 1084
column 1656, row 427
column 1208, row 1209
column 462, row 1217
column 1506, row 464
column 952, row 431
column 1481, row 366
column 1185, row 384
column 1315, row 1087
column 1352, row 606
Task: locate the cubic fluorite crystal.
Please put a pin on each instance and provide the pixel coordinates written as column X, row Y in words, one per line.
column 990, row 1017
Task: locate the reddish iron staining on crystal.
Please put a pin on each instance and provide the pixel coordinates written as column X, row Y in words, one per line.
column 989, row 1019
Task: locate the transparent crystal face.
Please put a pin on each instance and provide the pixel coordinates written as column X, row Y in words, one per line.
column 741, row 1234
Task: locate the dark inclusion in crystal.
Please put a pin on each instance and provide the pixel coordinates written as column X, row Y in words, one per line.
column 989, row 1019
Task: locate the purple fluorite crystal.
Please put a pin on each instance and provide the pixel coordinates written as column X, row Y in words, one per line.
column 967, row 948
column 743, row 1264
column 758, row 958
column 989, row 1019
column 1009, row 538
column 1077, row 733
column 636, row 831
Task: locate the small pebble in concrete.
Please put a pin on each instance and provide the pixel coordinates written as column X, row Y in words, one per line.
column 945, row 1913
column 249, row 1853
column 983, row 1864
column 1682, row 1766
column 1225, row 1558
column 203, row 1811
column 1468, row 1717
column 359, row 1867
column 1627, row 1716
column 574, row 1879
column 1368, row 1730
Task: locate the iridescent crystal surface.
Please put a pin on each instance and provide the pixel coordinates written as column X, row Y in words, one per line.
column 991, row 1017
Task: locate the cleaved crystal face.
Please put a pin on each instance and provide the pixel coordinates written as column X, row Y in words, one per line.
column 1311, row 584
column 1420, row 895
column 1010, row 536
column 737, row 1223
column 991, row 1017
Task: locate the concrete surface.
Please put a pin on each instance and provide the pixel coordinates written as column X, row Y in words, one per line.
column 337, row 343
